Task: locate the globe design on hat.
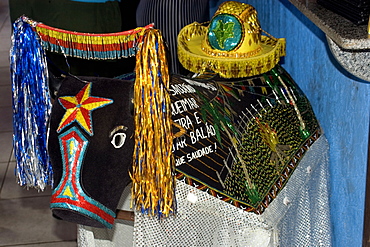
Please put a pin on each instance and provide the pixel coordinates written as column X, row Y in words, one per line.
column 235, row 29
column 225, row 32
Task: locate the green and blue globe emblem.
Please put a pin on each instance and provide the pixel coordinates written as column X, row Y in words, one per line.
column 225, row 32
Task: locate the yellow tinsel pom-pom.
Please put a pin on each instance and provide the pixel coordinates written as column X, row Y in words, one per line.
column 153, row 169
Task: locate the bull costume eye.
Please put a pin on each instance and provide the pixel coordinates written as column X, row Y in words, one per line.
column 118, row 136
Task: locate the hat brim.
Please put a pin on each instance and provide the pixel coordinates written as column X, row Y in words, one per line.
column 192, row 57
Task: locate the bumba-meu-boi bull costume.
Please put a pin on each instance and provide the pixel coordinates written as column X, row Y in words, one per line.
column 229, row 147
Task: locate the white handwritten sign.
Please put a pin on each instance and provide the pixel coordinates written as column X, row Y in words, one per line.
column 185, row 112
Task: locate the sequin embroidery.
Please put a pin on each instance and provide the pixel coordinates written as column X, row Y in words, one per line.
column 69, row 193
column 79, row 108
column 225, row 32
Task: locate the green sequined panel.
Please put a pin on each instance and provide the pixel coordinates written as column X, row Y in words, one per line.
column 262, row 127
column 264, row 171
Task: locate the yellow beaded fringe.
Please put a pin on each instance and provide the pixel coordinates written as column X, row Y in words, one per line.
column 196, row 60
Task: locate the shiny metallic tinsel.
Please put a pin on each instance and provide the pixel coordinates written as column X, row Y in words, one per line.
column 31, row 106
column 153, row 183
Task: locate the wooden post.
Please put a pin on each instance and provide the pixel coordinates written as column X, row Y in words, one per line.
column 125, row 215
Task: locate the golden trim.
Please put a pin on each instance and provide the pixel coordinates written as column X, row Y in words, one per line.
column 272, row 50
column 218, row 53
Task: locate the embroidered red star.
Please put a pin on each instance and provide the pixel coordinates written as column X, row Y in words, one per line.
column 79, row 108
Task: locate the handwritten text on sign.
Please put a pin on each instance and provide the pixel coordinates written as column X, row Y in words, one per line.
column 196, row 129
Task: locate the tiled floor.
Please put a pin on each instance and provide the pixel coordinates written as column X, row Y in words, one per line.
column 25, row 217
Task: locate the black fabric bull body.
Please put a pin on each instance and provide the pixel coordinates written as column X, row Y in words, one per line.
column 236, row 136
column 90, row 195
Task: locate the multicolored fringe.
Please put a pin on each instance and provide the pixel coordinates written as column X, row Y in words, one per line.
column 153, row 170
column 31, row 107
column 91, row 46
column 153, row 178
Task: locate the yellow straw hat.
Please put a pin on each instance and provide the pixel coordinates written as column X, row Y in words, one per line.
column 231, row 45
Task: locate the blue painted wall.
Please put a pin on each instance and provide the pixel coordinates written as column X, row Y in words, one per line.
column 341, row 103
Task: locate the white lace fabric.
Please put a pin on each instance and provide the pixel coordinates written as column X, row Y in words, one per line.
column 299, row 216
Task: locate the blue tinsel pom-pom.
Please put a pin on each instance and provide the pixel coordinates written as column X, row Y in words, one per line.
column 31, row 107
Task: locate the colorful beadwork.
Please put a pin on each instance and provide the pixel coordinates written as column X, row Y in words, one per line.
column 91, row 46
column 150, row 92
column 69, row 194
column 79, row 108
column 258, row 120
